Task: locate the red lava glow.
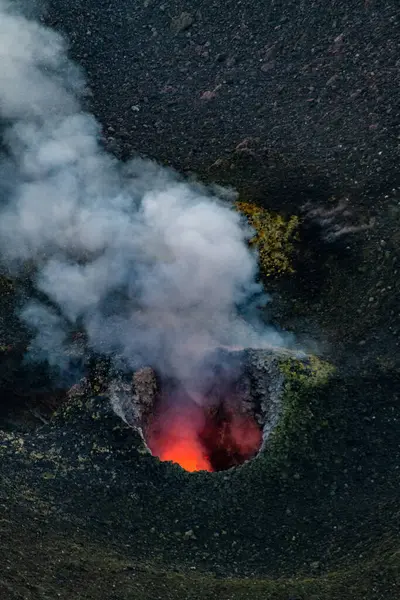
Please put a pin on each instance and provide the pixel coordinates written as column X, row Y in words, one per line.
column 203, row 440
column 187, row 453
column 174, row 436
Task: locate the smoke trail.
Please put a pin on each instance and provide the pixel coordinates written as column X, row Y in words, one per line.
column 150, row 268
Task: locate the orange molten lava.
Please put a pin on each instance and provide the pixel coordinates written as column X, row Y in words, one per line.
column 202, row 440
column 174, row 436
column 187, row 453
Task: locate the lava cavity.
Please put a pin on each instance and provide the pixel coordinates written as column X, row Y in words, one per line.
column 202, row 435
column 222, row 426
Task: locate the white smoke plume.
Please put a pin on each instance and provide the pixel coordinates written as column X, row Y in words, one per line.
column 152, row 269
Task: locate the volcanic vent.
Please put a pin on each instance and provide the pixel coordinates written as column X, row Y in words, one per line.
column 148, row 268
column 217, row 428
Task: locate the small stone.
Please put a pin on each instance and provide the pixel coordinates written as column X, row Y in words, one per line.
column 331, row 79
column 208, row 95
column 189, row 535
column 371, row 299
column 182, row 22
column 268, row 66
column 314, row 565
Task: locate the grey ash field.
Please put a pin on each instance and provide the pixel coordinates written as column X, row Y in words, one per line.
column 296, row 105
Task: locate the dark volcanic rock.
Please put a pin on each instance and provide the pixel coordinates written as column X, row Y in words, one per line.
column 314, row 82
column 87, row 481
column 89, row 469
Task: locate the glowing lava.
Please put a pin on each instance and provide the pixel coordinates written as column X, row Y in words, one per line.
column 187, row 453
column 203, row 439
column 174, row 436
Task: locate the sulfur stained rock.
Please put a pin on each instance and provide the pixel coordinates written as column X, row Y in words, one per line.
column 274, row 238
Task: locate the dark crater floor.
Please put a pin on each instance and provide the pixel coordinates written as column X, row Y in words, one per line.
column 295, row 104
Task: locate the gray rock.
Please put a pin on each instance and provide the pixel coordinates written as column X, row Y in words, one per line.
column 182, row 22
column 189, row 535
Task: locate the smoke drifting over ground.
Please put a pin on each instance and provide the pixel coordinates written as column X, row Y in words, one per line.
column 153, row 270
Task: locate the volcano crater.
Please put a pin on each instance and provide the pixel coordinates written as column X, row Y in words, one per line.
column 224, row 424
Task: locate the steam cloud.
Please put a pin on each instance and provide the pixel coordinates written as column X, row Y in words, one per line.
column 152, row 269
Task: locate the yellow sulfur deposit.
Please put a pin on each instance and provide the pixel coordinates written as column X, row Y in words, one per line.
column 273, row 239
